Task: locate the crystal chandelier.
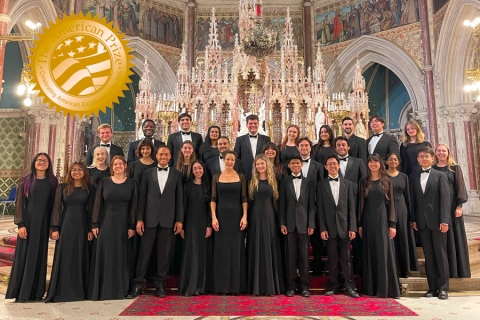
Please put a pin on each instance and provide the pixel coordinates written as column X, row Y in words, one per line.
column 473, row 74
column 259, row 41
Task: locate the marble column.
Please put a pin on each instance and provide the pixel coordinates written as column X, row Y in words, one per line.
column 476, row 149
column 52, row 139
column 428, row 72
column 191, row 5
column 69, row 141
column 307, row 27
column 449, row 116
column 466, row 114
column 4, row 20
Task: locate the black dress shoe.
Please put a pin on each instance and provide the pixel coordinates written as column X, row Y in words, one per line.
column 136, row 292
column 38, row 299
column 20, row 300
column 290, row 293
column 442, row 295
column 330, row 292
column 429, row 294
column 352, row 293
column 161, row 293
column 305, row 293
column 196, row 293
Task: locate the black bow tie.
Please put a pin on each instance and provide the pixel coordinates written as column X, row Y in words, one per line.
column 105, row 145
column 426, row 171
column 187, row 133
column 305, row 160
column 377, row 134
column 162, row 169
column 299, row 177
column 332, row 179
column 255, row 136
column 344, row 159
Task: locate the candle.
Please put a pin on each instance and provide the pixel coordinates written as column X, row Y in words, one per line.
column 195, row 115
column 230, row 115
column 164, row 96
column 309, row 115
column 212, row 115
column 270, row 115
column 288, row 114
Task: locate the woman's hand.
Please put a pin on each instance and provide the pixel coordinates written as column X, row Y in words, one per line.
column 208, row 232
column 182, row 234
column 95, row 232
column 360, row 232
column 215, row 224
column 393, row 233
column 131, row 233
column 458, row 212
column 55, row 235
column 243, row 223
column 22, row 233
column 90, row 236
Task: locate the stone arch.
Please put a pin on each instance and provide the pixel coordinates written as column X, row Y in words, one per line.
column 370, row 50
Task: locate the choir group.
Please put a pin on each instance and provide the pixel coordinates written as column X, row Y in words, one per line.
column 243, row 220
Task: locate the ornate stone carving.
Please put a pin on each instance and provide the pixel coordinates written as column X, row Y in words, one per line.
column 466, row 113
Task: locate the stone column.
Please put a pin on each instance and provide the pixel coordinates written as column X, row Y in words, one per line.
column 466, row 114
column 449, row 116
column 4, row 20
column 307, row 26
column 191, row 5
column 428, row 71
column 69, row 141
column 52, row 139
column 420, row 116
column 78, row 138
column 476, row 149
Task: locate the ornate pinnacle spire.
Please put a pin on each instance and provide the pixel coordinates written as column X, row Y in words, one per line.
column 145, row 82
column 182, row 72
column 213, row 36
column 288, row 39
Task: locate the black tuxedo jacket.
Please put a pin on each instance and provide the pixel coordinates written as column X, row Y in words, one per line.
column 315, row 171
column 355, row 171
column 114, row 151
column 358, row 148
column 243, row 148
column 213, row 167
column 336, row 219
column 297, row 214
column 385, row 145
column 431, row 208
column 164, row 208
column 175, row 142
column 132, row 148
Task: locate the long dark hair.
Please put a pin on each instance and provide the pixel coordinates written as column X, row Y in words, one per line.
column 277, row 165
column 205, row 181
column 30, row 179
column 208, row 143
column 330, row 132
column 69, row 180
column 384, row 181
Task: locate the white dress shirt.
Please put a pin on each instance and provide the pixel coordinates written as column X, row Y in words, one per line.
column 297, row 184
column 424, row 178
column 253, row 143
column 373, row 143
column 343, row 165
column 162, row 178
column 335, row 187
column 306, row 166
column 186, row 137
column 222, row 163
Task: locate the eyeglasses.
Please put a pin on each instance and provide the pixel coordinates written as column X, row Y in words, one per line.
column 41, row 160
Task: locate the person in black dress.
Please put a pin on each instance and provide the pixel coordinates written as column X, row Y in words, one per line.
column 405, row 248
column 209, row 148
column 186, row 157
column 376, row 226
column 99, row 168
column 33, row 208
column 144, row 153
column 325, row 146
column 70, row 226
column 288, row 147
column 176, row 140
column 113, row 223
column 270, row 149
column 457, row 246
column 265, row 276
column 196, row 232
column 229, row 220
column 413, row 139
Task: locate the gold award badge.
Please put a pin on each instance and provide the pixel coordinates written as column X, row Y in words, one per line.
column 81, row 64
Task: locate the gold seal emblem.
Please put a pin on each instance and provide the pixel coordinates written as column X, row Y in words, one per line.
column 81, row 64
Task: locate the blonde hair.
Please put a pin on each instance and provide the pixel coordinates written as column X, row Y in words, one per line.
column 94, row 162
column 450, row 161
column 419, row 137
column 104, row 126
column 272, row 180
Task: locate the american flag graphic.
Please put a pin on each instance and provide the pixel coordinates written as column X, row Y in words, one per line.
column 81, row 66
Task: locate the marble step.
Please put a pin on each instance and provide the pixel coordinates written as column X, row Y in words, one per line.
column 473, row 248
column 456, row 284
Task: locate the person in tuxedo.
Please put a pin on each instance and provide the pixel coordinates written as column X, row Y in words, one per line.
column 216, row 165
column 148, row 128
column 297, row 222
column 430, row 201
column 336, row 214
column 358, row 146
column 159, row 219
column 311, row 169
column 105, row 134
column 248, row 146
column 380, row 142
column 176, row 140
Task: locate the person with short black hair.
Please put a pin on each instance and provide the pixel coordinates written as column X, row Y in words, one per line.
column 148, row 128
column 358, row 146
column 105, row 133
column 217, row 165
column 381, row 143
column 176, row 140
column 311, row 169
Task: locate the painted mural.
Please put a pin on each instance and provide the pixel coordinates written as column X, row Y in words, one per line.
column 361, row 17
column 160, row 23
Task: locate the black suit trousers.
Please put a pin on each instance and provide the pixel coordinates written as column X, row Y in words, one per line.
column 434, row 245
column 338, row 249
column 165, row 239
column 297, row 258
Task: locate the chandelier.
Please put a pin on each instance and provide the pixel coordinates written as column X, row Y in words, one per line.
column 258, row 40
column 473, row 75
column 338, row 107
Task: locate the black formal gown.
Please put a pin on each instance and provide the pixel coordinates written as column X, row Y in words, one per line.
column 113, row 214
column 405, row 248
column 320, row 154
column 265, row 275
column 229, row 267
column 71, row 216
column 27, row 279
column 96, row 175
column 207, row 152
column 376, row 216
column 137, row 168
column 286, row 153
column 457, row 246
column 280, row 173
column 197, row 218
column 408, row 156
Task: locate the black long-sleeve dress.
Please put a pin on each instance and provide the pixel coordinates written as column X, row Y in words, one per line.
column 193, row 276
column 376, row 216
column 96, row 175
column 71, row 216
column 229, row 266
column 137, row 168
column 27, row 279
column 408, row 156
column 286, row 153
column 405, row 248
column 320, row 154
column 113, row 214
column 265, row 272
column 207, row 152
column 457, row 246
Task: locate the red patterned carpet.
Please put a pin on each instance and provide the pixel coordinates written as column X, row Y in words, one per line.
column 214, row 305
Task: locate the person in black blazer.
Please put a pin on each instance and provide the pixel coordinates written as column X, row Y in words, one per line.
column 214, row 165
column 243, row 145
column 105, row 134
column 430, row 201
column 311, row 169
column 175, row 140
column 148, row 128
column 358, row 146
column 336, row 214
column 159, row 219
column 297, row 222
column 380, row 142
